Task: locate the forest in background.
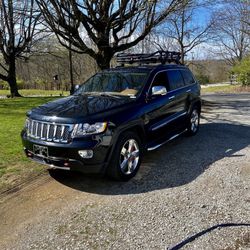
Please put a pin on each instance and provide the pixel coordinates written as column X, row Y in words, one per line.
column 54, row 45
column 40, row 71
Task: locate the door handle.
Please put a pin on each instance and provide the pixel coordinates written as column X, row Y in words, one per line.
column 171, row 97
column 188, row 91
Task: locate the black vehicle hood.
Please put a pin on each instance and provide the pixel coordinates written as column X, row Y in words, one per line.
column 80, row 106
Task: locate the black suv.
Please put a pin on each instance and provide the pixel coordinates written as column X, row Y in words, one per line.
column 107, row 124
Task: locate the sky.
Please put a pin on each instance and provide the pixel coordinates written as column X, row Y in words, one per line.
column 203, row 51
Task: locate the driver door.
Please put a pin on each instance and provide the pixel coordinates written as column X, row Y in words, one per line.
column 160, row 110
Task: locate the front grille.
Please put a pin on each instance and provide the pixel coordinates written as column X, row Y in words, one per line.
column 51, row 132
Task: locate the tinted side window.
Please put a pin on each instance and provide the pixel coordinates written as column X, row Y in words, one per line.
column 188, row 77
column 160, row 79
column 175, row 79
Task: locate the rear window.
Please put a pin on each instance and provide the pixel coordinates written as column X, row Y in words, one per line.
column 188, row 77
column 175, row 79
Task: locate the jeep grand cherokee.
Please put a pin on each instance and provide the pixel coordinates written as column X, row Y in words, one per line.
column 107, row 124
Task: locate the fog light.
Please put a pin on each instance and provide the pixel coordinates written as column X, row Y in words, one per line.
column 87, row 154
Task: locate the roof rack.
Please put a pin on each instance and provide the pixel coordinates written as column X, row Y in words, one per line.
column 160, row 56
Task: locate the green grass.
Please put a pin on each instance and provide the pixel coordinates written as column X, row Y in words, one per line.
column 225, row 89
column 14, row 166
column 36, row 92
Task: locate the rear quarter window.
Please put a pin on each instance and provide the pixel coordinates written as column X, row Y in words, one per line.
column 188, row 77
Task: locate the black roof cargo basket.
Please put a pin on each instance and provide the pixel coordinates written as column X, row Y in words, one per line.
column 160, row 56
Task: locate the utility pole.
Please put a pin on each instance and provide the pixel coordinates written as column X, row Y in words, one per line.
column 192, row 60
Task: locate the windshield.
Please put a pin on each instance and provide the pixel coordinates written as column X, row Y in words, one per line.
column 114, row 83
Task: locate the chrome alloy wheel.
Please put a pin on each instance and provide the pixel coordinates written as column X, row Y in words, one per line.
column 194, row 121
column 129, row 157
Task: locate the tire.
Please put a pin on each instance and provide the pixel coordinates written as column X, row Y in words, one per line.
column 126, row 158
column 193, row 122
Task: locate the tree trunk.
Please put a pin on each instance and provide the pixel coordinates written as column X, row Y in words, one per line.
column 13, row 87
column 103, row 59
column 182, row 55
column 103, row 63
column 12, row 78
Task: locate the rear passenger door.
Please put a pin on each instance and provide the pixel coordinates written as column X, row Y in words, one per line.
column 192, row 88
column 190, row 82
column 188, row 77
column 178, row 94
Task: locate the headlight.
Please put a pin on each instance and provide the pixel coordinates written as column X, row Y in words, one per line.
column 89, row 129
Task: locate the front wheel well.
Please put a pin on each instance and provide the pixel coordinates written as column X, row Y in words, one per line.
column 137, row 129
column 115, row 169
column 140, row 132
column 196, row 104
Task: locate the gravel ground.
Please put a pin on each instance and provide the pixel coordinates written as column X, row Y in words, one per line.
column 193, row 193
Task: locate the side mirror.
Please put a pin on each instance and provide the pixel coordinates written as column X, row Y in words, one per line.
column 159, row 90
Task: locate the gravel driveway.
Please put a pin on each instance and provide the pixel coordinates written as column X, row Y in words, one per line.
column 193, row 193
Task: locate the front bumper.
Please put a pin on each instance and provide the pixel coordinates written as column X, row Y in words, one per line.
column 66, row 156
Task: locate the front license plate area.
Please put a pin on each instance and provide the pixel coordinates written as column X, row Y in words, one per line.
column 41, row 151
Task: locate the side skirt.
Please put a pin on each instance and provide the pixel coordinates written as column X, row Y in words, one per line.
column 170, row 139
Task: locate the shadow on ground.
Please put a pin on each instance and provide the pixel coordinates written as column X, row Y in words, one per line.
column 239, row 243
column 173, row 165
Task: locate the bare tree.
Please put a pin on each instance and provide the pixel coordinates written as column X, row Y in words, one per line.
column 246, row 18
column 184, row 30
column 18, row 20
column 100, row 28
column 231, row 31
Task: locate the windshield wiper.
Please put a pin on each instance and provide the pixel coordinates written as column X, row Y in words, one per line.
column 109, row 95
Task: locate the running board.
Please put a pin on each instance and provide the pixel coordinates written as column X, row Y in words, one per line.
column 172, row 138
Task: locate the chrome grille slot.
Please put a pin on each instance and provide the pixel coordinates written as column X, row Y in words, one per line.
column 44, row 131
column 60, row 133
column 66, row 133
column 51, row 132
column 33, row 128
column 39, row 128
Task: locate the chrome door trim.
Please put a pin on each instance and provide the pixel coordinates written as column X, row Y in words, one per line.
column 168, row 121
column 170, row 139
